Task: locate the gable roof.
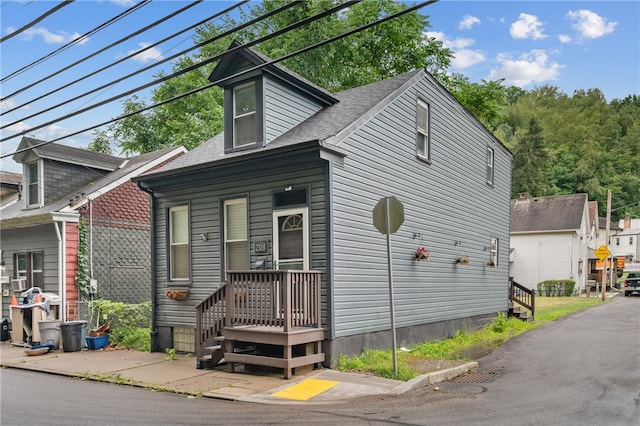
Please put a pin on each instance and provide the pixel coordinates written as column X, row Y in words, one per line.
column 556, row 213
column 244, row 59
column 326, row 128
column 65, row 154
column 15, row 216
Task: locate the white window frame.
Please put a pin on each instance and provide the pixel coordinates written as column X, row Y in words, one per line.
column 173, row 244
column 251, row 84
column 304, row 211
column 244, row 239
column 29, row 186
column 494, row 244
column 491, row 155
column 423, row 131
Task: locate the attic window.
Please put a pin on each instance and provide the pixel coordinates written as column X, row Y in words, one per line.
column 244, row 114
column 34, row 184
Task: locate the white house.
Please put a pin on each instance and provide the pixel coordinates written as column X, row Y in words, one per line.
column 550, row 239
column 625, row 242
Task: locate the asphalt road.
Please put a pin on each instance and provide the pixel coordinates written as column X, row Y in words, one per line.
column 582, row 370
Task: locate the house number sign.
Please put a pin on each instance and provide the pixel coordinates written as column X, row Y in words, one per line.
column 261, row 247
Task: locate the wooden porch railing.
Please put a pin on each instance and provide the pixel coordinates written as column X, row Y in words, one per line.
column 523, row 296
column 282, row 298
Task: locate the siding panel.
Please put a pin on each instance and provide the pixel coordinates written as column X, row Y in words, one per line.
column 445, row 201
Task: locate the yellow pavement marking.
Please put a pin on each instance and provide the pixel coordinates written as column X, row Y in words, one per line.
column 306, row 389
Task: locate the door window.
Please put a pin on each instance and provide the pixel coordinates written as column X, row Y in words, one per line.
column 290, row 239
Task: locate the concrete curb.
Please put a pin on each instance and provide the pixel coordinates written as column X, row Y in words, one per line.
column 434, row 377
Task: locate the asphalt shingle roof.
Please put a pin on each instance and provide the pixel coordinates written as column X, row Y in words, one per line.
column 557, row 213
column 352, row 105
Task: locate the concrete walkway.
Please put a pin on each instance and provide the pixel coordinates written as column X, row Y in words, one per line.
column 155, row 371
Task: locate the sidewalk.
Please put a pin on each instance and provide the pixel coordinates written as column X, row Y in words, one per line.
column 155, row 371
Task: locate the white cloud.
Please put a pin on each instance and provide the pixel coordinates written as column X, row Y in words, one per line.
column 146, row 56
column 527, row 26
column 468, row 22
column 123, row 3
column 52, row 38
column 463, row 57
column 564, row 38
column 530, row 68
column 8, row 104
column 590, row 24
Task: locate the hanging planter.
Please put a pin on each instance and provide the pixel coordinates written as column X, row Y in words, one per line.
column 462, row 260
column 177, row 294
column 421, row 254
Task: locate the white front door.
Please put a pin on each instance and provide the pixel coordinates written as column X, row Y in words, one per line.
column 290, row 239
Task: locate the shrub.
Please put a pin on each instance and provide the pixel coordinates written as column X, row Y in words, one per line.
column 130, row 323
column 556, row 288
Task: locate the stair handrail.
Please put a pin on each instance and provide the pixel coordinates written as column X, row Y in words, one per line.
column 523, row 296
column 210, row 317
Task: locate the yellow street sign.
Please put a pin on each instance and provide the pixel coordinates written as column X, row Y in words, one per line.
column 602, row 252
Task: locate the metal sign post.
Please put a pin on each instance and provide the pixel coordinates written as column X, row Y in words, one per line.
column 388, row 216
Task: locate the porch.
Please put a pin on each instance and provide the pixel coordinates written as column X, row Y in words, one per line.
column 267, row 318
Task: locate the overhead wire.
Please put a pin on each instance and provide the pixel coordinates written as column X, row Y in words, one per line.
column 129, row 36
column 236, row 75
column 35, row 21
column 76, row 41
column 129, row 56
column 155, row 64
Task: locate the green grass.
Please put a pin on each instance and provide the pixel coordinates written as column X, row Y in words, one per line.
column 463, row 345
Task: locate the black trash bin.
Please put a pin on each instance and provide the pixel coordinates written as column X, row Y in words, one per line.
column 6, row 327
column 73, row 335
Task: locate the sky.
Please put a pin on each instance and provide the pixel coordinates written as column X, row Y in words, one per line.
column 573, row 45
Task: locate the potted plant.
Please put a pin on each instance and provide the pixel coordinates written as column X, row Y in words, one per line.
column 421, row 254
column 462, row 260
column 177, row 293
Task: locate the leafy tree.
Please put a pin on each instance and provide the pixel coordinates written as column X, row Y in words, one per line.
column 385, row 50
column 100, row 143
column 529, row 163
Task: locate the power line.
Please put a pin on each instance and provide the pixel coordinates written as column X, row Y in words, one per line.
column 246, row 71
column 132, row 54
column 157, row 81
column 76, row 41
column 35, row 21
column 177, row 12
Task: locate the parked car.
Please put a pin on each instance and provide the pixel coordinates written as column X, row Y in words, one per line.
column 632, row 283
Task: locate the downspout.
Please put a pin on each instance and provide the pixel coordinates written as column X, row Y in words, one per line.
column 154, row 331
column 61, row 269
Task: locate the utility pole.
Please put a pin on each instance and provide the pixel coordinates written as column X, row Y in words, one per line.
column 606, row 241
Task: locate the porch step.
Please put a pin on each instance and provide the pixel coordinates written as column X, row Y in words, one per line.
column 211, row 360
column 517, row 312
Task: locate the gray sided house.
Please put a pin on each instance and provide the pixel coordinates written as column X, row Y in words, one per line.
column 291, row 185
column 39, row 230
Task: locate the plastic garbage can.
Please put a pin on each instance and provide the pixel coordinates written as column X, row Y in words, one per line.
column 50, row 332
column 6, row 327
column 72, row 335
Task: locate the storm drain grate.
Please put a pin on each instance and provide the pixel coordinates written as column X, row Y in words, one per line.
column 475, row 377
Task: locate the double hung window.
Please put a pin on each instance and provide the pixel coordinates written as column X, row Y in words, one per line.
column 244, row 114
column 490, row 168
column 179, row 264
column 33, row 184
column 235, row 235
column 423, row 137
